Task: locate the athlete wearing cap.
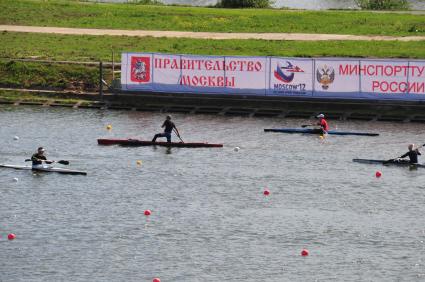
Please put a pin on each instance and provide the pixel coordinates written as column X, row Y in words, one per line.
column 412, row 154
column 322, row 123
column 38, row 158
column 169, row 126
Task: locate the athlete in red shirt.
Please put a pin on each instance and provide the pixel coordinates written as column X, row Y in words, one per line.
column 323, row 123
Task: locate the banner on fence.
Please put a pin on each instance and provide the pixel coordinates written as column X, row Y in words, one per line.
column 272, row 76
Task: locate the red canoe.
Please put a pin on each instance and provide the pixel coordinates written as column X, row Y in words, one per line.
column 136, row 142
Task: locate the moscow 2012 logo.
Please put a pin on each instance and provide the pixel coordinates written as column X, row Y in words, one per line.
column 286, row 72
column 140, row 69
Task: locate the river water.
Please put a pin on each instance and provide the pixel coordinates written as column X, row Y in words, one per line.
column 293, row 4
column 210, row 220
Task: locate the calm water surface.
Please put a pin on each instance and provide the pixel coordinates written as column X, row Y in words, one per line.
column 210, row 221
column 293, row 4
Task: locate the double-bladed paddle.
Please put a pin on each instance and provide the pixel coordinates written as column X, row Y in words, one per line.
column 392, row 160
column 305, row 125
column 50, row 162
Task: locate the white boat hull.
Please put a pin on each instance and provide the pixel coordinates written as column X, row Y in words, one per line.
column 44, row 169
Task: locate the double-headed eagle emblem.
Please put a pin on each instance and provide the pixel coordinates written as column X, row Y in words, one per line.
column 325, row 76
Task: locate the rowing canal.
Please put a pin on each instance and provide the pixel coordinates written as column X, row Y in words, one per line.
column 210, row 220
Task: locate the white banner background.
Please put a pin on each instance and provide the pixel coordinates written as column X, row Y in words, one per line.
column 340, row 83
column 418, row 79
column 250, row 73
column 375, row 80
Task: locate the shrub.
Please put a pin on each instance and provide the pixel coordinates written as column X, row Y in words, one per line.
column 244, row 4
column 147, row 2
column 383, row 4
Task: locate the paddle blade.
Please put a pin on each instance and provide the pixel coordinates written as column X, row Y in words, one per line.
column 389, row 161
column 63, row 162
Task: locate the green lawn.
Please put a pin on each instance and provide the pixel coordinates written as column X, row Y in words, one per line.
column 95, row 48
column 131, row 16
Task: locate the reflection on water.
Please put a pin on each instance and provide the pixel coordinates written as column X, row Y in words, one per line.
column 293, row 4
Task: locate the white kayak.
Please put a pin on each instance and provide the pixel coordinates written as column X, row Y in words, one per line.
column 45, row 168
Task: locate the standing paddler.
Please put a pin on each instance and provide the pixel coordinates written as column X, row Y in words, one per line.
column 168, row 126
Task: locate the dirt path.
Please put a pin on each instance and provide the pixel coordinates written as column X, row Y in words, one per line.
column 205, row 35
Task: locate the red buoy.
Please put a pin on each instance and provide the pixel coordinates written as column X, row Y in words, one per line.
column 11, row 236
column 304, row 252
column 266, row 192
column 148, row 212
column 156, row 280
column 378, row 174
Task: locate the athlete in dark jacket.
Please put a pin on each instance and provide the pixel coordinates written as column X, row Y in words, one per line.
column 39, row 157
column 412, row 154
column 168, row 126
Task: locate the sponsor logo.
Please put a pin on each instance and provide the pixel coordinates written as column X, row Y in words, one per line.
column 140, row 69
column 286, row 72
column 325, row 75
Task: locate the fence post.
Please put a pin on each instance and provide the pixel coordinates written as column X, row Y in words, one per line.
column 113, row 65
column 101, row 80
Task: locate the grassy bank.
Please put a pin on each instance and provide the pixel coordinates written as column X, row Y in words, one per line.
column 131, row 16
column 95, row 48
column 33, row 75
column 13, row 96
